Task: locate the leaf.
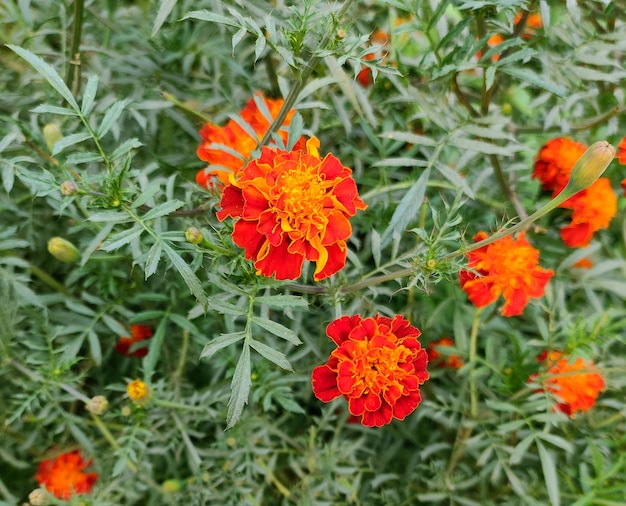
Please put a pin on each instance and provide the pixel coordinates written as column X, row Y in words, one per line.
column 482, row 147
column 163, row 209
column 111, row 116
column 205, row 15
column 8, row 176
column 282, row 301
column 125, row 147
column 96, row 242
column 521, row 449
column 152, row 260
column 154, row 350
column 69, row 140
column 271, row 354
column 190, row 279
column 89, row 95
column 218, row 304
column 277, row 329
column 78, row 158
column 534, row 79
column 109, row 216
column 240, row 388
column 165, row 8
column 407, row 209
column 455, row 178
column 222, row 341
column 48, row 73
column 53, row 109
column 122, row 238
column 418, row 140
column 549, row 474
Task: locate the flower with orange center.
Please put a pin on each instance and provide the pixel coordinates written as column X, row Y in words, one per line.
column 507, row 267
column 227, row 148
column 290, row 207
column 63, row 476
column 378, row 367
column 555, row 162
column 594, row 208
column 577, row 385
column 621, row 151
column 440, row 360
column 139, row 392
column 138, row 333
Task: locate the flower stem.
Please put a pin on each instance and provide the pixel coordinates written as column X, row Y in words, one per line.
column 472, row 360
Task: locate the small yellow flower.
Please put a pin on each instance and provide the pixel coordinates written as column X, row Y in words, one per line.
column 139, row 392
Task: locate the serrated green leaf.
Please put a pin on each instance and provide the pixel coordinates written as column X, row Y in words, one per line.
column 110, row 217
column 48, row 73
column 165, row 8
column 8, row 176
column 110, row 117
column 407, row 209
column 122, row 238
column 281, row 301
column 53, row 109
column 521, row 450
column 456, row 179
column 89, row 95
column 154, row 350
column 482, row 147
column 271, row 354
column 222, row 341
column 535, row 80
column 277, row 329
column 205, row 15
column 549, row 474
column 190, row 279
column 217, row 304
column 240, row 388
column 152, row 260
column 69, row 140
column 125, row 147
column 163, row 209
column 418, row 140
column 78, row 158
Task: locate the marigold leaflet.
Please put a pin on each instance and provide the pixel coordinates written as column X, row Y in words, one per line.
column 443, row 361
column 290, row 207
column 576, row 384
column 63, row 475
column 378, row 367
column 227, row 148
column 138, row 333
column 507, row 267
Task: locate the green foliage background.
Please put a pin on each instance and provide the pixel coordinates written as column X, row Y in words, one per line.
column 436, row 144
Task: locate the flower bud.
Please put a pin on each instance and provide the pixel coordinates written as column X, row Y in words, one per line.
column 63, row 250
column 171, row 486
column 52, row 134
column 38, row 498
column 97, row 405
column 139, row 392
column 69, row 188
column 590, row 166
column 193, row 235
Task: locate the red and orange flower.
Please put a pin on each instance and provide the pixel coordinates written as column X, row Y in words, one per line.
column 593, row 208
column 63, row 476
column 621, row 151
column 378, row 367
column 290, row 207
column 138, row 333
column 577, row 385
column 227, row 148
column 440, row 360
column 507, row 267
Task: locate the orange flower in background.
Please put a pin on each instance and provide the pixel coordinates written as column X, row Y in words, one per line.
column 290, row 207
column 378, row 38
column 621, row 151
column 443, row 361
column 378, row 367
column 584, row 263
column 623, row 185
column 227, row 148
column 533, row 23
column 594, row 208
column 507, row 267
column 63, row 476
column 555, row 162
column 138, row 333
column 577, row 385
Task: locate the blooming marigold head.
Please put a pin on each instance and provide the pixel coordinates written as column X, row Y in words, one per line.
column 290, row 207
column 378, row 367
column 507, row 267
column 63, row 475
column 440, row 360
column 227, row 148
column 138, row 333
column 576, row 384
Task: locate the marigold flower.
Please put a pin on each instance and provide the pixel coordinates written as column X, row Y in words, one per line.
column 378, row 367
column 584, row 263
column 555, row 162
column 292, row 206
column 443, row 361
column 621, row 151
column 138, row 392
column 138, row 333
column 227, row 148
column 63, row 476
column 507, row 267
column 533, row 23
column 577, row 385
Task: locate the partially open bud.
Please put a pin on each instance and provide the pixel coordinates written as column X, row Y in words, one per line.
column 139, row 392
column 52, row 134
column 69, row 188
column 97, row 405
column 193, row 235
column 590, row 166
column 63, row 250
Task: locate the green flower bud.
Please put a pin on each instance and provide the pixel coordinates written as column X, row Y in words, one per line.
column 171, row 486
column 52, row 134
column 590, row 166
column 69, row 188
column 193, row 235
column 97, row 405
column 63, row 250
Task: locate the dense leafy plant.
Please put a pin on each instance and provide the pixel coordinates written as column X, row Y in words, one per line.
column 145, row 338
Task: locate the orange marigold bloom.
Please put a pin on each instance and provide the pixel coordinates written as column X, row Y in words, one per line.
column 378, row 367
column 621, row 151
column 507, row 267
column 63, row 476
column 139, row 392
column 227, row 148
column 533, row 23
column 594, row 208
column 555, row 162
column 443, row 361
column 290, row 207
column 577, row 385
column 584, row 263
column 138, row 333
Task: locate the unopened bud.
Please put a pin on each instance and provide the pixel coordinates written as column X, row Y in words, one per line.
column 97, row 405
column 590, row 166
column 38, row 498
column 340, row 33
column 52, row 134
column 193, row 235
column 171, row 486
column 69, row 188
column 63, row 250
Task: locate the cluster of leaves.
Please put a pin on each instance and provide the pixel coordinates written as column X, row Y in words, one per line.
column 441, row 144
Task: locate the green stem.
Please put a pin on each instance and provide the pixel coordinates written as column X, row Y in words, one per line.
column 73, row 68
column 181, row 105
column 472, row 361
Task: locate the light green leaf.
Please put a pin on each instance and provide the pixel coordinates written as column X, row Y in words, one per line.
column 122, row 238
column 111, row 116
column 549, row 474
column 48, row 73
column 125, row 147
column 281, row 301
column 222, row 341
column 109, row 216
column 482, row 147
column 534, row 79
column 89, row 95
column 271, row 354
column 277, row 329
column 418, row 140
column 152, row 260
column 53, row 109
column 163, row 209
column 205, row 15
column 165, row 8
column 69, row 140
column 190, row 279
column 218, row 304
column 78, row 158
column 240, row 388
